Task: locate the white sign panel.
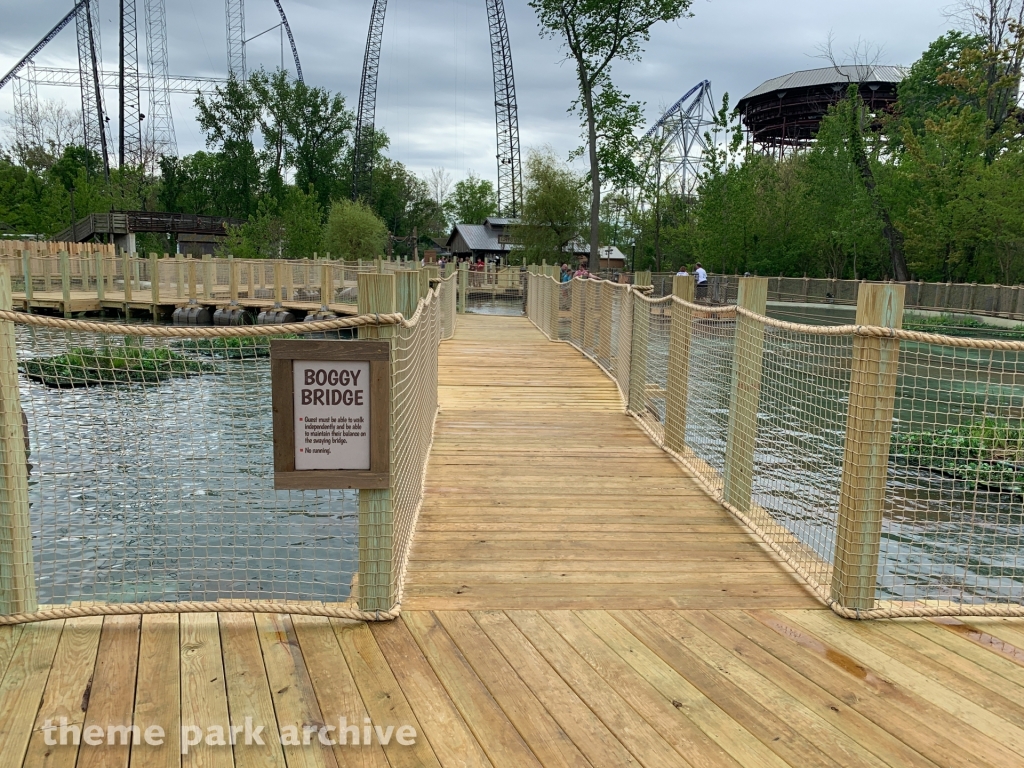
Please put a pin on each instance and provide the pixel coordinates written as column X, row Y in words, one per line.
column 332, row 415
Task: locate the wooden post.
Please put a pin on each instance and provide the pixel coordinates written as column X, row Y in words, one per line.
column 604, row 332
column 192, row 280
column 866, row 454
column 424, row 282
column 207, row 276
column 326, row 285
column 554, row 308
column 26, row 268
column 678, row 378
column 637, row 399
column 65, row 282
column 17, row 580
column 233, row 279
column 154, row 280
column 376, row 513
column 433, row 273
column 407, row 289
column 101, row 276
column 126, row 270
column 463, row 286
column 277, row 282
column 745, row 393
column 579, row 304
column 289, row 280
column 47, row 273
column 180, row 288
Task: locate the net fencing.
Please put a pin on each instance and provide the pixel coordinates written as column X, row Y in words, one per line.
column 494, row 290
column 885, row 466
column 138, row 470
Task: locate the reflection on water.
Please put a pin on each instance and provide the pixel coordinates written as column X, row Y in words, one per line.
column 165, row 492
column 486, row 304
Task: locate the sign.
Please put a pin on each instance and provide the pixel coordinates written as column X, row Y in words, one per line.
column 331, row 408
column 331, row 402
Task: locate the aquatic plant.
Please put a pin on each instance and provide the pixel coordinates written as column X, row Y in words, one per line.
column 987, row 453
column 129, row 364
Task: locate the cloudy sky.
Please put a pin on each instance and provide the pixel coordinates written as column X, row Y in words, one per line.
column 435, row 93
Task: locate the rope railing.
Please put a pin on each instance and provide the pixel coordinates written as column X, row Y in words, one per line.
column 885, row 466
column 136, row 469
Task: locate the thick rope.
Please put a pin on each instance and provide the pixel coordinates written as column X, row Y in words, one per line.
column 203, row 332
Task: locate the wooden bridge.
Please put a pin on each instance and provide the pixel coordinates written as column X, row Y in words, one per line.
column 573, row 599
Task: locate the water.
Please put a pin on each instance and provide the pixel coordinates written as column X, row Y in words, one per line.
column 485, row 305
column 165, row 492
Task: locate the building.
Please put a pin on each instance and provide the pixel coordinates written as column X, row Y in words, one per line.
column 489, row 241
column 784, row 113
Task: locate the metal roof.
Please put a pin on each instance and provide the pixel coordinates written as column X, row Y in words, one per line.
column 829, row 76
column 480, row 237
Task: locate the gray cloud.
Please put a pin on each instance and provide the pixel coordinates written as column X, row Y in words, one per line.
column 435, row 96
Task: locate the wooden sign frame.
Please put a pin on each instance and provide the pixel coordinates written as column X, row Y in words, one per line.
column 283, row 353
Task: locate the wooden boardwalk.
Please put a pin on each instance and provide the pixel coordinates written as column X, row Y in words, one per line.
column 572, row 600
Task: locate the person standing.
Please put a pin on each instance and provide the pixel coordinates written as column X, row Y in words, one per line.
column 682, row 272
column 701, row 288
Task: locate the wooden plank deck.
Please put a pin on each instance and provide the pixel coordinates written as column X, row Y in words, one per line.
column 671, row 640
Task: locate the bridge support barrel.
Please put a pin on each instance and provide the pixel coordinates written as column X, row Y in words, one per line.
column 17, row 580
column 745, row 393
column 65, row 282
column 376, row 511
column 638, row 355
column 866, row 453
column 678, row 379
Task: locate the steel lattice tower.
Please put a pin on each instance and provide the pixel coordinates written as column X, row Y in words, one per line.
column 160, row 123
column 510, row 184
column 363, row 151
column 235, row 12
column 130, row 100
column 87, row 29
column 680, row 139
column 27, row 131
column 510, row 177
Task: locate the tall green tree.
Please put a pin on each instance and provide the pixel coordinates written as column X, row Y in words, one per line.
column 354, row 231
column 597, row 33
column 471, row 200
column 554, row 213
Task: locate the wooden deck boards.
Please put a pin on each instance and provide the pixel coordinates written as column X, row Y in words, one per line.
column 629, row 623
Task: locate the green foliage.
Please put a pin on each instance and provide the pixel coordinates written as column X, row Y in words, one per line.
column 554, row 209
column 986, row 454
column 230, row 347
column 130, row 364
column 354, row 231
column 471, row 201
column 290, row 229
column 971, row 327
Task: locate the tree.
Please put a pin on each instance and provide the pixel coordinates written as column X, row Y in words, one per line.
column 554, row 213
column 472, row 200
column 597, row 33
column 354, row 231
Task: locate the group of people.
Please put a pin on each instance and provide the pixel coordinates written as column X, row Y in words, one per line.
column 700, row 276
column 567, row 273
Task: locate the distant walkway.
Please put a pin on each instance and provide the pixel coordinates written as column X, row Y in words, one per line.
column 542, row 494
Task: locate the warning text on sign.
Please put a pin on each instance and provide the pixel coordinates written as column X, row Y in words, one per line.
column 332, row 415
